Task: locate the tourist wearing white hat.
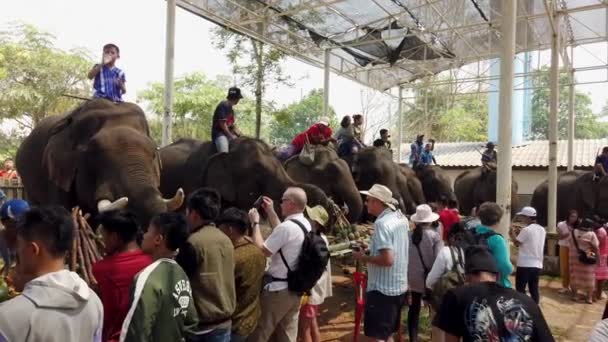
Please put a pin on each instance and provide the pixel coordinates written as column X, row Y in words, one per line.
column 319, row 133
column 531, row 243
column 386, row 264
column 426, row 244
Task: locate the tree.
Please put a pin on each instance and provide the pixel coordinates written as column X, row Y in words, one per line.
column 194, row 103
column 34, row 75
column 587, row 124
column 298, row 116
column 258, row 65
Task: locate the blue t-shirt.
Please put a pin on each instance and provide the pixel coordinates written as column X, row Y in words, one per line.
column 602, row 159
column 426, row 158
column 106, row 84
column 416, row 149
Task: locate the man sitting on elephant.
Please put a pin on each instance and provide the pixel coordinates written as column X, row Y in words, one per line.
column 318, row 134
column 489, row 157
column 416, row 150
column 427, row 157
column 223, row 127
column 601, row 164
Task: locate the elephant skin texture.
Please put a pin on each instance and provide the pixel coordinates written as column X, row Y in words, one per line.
column 100, row 152
column 472, row 189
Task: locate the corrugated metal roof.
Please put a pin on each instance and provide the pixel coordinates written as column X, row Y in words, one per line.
column 529, row 154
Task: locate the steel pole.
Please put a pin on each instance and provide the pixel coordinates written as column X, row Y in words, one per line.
column 169, row 63
column 503, row 184
column 571, row 132
column 326, row 84
column 400, row 124
column 553, row 109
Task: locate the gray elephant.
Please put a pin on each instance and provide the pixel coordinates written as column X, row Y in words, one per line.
column 332, row 175
column 435, row 183
column 99, row 156
column 375, row 165
column 473, row 187
column 248, row 171
column 575, row 190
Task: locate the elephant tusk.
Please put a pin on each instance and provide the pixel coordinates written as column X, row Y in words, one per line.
column 106, row 205
column 175, row 202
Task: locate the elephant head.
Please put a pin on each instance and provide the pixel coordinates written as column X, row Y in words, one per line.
column 473, row 187
column 332, row 175
column 102, row 155
column 435, row 183
column 250, row 170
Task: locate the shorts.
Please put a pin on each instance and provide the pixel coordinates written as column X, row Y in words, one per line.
column 309, row 311
column 382, row 314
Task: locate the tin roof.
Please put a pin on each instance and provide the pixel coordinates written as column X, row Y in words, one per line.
column 532, row 154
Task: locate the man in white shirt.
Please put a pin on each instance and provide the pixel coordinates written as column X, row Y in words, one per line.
column 280, row 307
column 531, row 243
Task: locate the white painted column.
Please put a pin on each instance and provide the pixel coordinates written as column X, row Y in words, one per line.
column 553, row 109
column 503, row 184
column 326, row 84
column 571, row 131
column 400, row 125
column 169, row 63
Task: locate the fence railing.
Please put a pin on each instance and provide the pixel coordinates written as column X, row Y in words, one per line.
column 12, row 188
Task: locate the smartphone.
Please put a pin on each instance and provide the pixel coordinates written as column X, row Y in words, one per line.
column 258, row 203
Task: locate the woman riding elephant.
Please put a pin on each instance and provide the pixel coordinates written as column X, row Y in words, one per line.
column 476, row 186
column 99, row 157
column 248, row 171
column 332, row 175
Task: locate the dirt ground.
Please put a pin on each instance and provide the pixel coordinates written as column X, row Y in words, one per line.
column 569, row 321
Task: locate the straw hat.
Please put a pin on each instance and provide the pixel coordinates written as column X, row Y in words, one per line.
column 318, row 214
column 381, row 193
column 424, row 214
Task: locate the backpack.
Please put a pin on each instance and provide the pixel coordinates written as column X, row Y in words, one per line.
column 482, row 238
column 311, row 263
column 449, row 280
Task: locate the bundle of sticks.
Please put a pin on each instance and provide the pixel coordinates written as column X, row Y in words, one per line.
column 86, row 247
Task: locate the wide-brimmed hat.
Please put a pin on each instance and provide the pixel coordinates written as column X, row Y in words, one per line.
column 424, row 214
column 324, row 120
column 318, row 214
column 381, row 193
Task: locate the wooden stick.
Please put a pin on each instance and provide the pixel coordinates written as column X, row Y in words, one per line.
column 83, row 272
column 92, row 246
column 88, row 257
column 74, row 243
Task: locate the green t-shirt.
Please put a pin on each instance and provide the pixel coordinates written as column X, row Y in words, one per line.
column 162, row 308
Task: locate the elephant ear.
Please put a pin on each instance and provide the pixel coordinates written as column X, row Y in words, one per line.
column 219, row 176
column 586, row 191
column 60, row 155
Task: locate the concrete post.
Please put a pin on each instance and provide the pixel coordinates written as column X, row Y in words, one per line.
column 169, row 63
column 553, row 110
column 571, row 131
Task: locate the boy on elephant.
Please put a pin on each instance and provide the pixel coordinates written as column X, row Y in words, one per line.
column 601, row 164
column 109, row 80
column 223, row 127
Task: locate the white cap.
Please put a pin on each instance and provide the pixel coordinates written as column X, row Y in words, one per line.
column 381, row 193
column 324, row 120
column 527, row 211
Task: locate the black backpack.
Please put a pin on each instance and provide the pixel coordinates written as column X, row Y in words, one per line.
column 482, row 238
column 311, row 263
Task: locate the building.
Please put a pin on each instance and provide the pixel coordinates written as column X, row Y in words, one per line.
column 530, row 160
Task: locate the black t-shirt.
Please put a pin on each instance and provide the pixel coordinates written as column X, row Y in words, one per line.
column 223, row 111
column 490, row 312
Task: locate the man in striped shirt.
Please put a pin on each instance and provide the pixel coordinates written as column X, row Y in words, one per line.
column 109, row 80
column 386, row 265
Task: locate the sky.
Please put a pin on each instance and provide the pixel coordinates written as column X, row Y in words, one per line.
column 138, row 28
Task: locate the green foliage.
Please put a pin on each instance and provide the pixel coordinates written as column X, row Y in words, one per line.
column 587, row 125
column 449, row 116
column 34, row 75
column 194, row 103
column 298, row 116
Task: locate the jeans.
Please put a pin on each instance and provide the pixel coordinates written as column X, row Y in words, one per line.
column 413, row 316
column 234, row 337
column 217, row 335
column 221, row 143
column 286, row 152
column 528, row 276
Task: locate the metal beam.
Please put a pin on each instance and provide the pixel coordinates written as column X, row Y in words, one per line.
column 400, row 124
column 326, row 84
column 553, row 110
column 571, row 131
column 169, row 64
column 503, row 181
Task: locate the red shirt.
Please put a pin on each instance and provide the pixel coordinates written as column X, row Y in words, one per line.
column 314, row 131
column 448, row 217
column 115, row 274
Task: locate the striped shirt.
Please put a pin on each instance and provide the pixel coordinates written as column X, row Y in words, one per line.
column 106, row 84
column 390, row 232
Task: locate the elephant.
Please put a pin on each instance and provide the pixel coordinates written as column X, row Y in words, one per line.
column 435, row 183
column 99, row 157
column 375, row 165
column 413, row 184
column 332, row 175
column 575, row 190
column 246, row 172
column 472, row 190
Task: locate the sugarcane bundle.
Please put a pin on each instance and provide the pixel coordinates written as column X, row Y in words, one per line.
column 86, row 248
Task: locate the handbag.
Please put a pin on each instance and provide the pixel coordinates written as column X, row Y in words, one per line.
column 307, row 155
column 428, row 294
column 585, row 257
